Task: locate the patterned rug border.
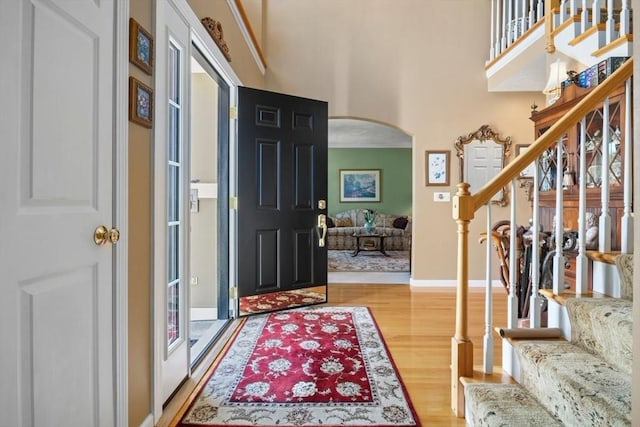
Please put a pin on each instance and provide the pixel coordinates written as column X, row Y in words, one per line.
column 193, row 397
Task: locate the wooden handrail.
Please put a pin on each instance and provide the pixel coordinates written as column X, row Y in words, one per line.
column 551, row 136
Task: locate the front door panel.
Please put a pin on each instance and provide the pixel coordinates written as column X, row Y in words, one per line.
column 282, row 174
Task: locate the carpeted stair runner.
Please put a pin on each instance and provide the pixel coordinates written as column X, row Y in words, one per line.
column 517, row 406
column 603, row 327
column 586, row 382
column 577, row 387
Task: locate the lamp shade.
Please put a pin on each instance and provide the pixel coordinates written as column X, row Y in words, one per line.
column 557, row 74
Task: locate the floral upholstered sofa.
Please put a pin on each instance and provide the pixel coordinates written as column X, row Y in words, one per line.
column 343, row 225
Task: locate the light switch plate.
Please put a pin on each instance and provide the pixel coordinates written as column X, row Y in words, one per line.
column 441, row 196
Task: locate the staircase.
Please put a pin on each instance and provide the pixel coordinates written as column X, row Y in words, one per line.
column 578, row 372
column 582, row 381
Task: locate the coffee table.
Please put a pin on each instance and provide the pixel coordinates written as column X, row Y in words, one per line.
column 359, row 236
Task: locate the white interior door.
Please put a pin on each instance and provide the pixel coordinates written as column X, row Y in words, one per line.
column 56, row 127
column 483, row 161
column 171, row 181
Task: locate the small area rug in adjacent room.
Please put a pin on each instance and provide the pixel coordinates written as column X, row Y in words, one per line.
column 339, row 260
column 315, row 366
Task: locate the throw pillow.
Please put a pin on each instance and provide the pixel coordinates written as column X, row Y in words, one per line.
column 330, row 223
column 401, row 222
column 343, row 222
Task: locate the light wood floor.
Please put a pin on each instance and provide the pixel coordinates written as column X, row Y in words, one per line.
column 417, row 325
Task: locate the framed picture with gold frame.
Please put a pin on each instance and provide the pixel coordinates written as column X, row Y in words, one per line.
column 140, row 47
column 140, row 103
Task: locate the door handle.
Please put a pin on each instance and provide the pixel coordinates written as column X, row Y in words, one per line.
column 322, row 224
column 102, row 235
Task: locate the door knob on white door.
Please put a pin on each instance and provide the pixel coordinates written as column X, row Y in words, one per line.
column 102, row 235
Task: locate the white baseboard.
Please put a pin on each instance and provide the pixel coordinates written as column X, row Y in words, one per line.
column 419, row 283
column 148, row 422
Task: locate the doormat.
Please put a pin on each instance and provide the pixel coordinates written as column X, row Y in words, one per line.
column 315, row 366
column 397, row 261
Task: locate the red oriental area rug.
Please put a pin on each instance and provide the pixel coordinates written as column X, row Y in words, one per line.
column 305, row 367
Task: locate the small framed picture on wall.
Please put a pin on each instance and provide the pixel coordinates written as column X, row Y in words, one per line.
column 437, row 168
column 360, row 185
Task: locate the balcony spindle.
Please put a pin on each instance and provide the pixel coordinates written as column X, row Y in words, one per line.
column 605, row 218
column 581, row 259
column 573, row 8
column 488, row 305
column 585, row 23
column 563, row 11
column 539, row 10
column 625, row 19
column 534, row 302
column 558, row 260
column 627, row 218
column 517, row 13
column 596, row 18
column 503, row 42
column 510, row 29
column 492, row 50
column 610, row 34
column 532, row 14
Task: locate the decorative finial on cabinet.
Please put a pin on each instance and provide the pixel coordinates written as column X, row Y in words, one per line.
column 533, row 107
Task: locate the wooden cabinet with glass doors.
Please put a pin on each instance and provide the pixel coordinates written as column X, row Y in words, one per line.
column 569, row 170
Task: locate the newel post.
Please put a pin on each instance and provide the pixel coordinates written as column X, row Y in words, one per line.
column 461, row 345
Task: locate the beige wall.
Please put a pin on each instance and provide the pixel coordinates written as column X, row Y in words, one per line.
column 405, row 64
column 140, row 214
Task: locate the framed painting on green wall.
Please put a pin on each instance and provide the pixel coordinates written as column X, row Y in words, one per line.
column 360, row 185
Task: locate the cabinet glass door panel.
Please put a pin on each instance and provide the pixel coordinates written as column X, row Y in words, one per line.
column 594, row 146
column 548, row 165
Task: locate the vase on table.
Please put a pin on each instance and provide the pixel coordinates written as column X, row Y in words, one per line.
column 369, row 227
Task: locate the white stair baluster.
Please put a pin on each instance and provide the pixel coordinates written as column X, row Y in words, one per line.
column 563, row 11
column 517, row 13
column 539, row 10
column 585, row 23
column 492, row 50
column 581, row 259
column 573, row 8
column 627, row 218
column 625, row 21
column 488, row 333
column 558, row 260
column 532, row 15
column 595, row 13
column 605, row 219
column 611, row 23
column 505, row 32
column 512, row 308
column 510, row 29
column 535, row 301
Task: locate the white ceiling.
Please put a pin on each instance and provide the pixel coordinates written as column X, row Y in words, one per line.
column 355, row 133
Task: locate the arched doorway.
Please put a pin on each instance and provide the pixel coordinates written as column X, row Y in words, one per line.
column 379, row 156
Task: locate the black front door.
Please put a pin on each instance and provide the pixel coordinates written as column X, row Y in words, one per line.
column 282, row 186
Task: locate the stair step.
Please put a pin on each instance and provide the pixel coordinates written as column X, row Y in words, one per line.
column 504, row 405
column 573, row 384
column 606, row 257
column 603, row 327
column 569, row 293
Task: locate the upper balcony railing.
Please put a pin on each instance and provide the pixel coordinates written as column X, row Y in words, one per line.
column 606, row 21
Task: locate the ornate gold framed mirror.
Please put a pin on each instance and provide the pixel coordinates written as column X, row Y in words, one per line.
column 483, row 153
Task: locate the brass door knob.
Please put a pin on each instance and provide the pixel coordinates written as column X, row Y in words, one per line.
column 102, row 235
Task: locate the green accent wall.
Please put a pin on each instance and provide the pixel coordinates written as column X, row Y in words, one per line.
column 396, row 176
